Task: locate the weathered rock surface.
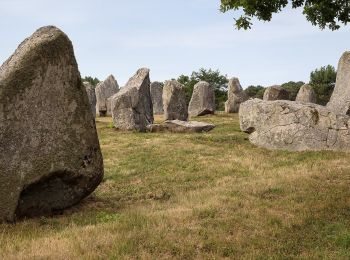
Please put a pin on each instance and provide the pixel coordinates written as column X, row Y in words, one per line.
column 294, row 126
column 178, row 126
column 306, row 94
column 157, row 99
column 105, row 90
column 132, row 105
column 236, row 96
column 90, row 91
column 50, row 156
column 275, row 93
column 340, row 99
column 202, row 100
column 174, row 101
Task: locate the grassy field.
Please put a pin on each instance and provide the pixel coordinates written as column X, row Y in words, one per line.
column 198, row 196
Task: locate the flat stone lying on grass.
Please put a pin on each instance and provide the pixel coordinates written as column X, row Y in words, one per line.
column 294, row 126
column 104, row 90
column 157, row 99
column 306, row 94
column 178, row 126
column 92, row 96
column 340, row 99
column 236, row 96
column 203, row 100
column 50, row 157
column 275, row 93
column 174, row 101
column 132, row 105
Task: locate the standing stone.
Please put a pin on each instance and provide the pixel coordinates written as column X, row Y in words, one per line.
column 306, row 94
column 157, row 100
column 91, row 95
column 174, row 101
column 104, row 90
column 340, row 99
column 132, row 105
column 275, row 93
column 50, row 157
column 236, row 96
column 203, row 100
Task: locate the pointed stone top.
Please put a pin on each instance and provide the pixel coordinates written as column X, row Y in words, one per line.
column 340, row 99
column 173, row 83
column 138, row 78
column 45, row 43
column 234, row 85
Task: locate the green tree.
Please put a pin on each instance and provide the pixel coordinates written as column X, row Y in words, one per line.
column 322, row 13
column 255, row 91
column 213, row 77
column 323, row 82
column 293, row 88
column 93, row 81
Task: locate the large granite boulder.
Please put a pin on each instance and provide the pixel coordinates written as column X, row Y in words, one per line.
column 50, row 156
column 178, row 126
column 340, row 99
column 132, row 105
column 174, row 101
column 306, row 94
column 157, row 99
column 276, row 93
column 104, row 90
column 202, row 100
column 294, row 126
column 235, row 96
column 90, row 91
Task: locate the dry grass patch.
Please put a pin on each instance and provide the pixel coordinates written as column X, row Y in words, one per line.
column 198, row 196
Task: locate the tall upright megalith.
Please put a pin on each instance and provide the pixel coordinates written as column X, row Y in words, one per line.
column 50, row 156
column 104, row 90
column 132, row 105
column 157, row 100
column 340, row 99
column 202, row 100
column 90, row 91
column 174, row 101
column 235, row 96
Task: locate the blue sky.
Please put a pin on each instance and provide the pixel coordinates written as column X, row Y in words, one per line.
column 175, row 37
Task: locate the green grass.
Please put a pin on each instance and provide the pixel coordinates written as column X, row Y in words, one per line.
column 198, row 196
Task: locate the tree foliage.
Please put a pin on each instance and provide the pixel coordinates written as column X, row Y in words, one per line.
column 255, row 91
column 293, row 88
column 323, row 82
column 93, row 81
column 323, row 13
column 213, row 77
